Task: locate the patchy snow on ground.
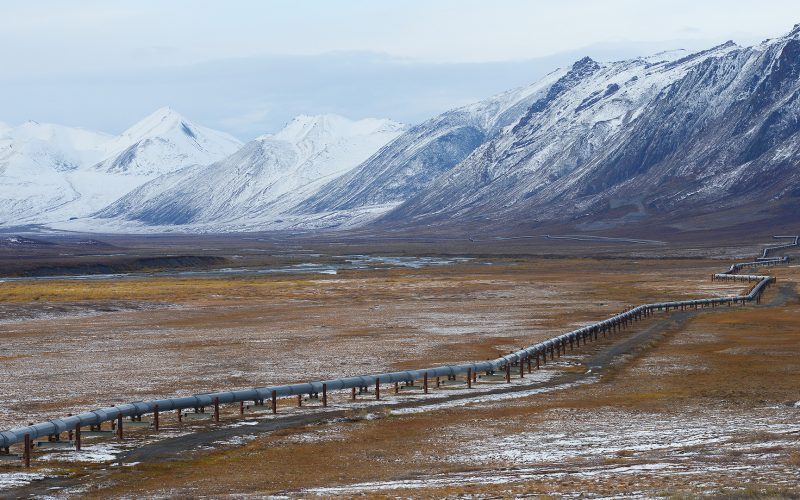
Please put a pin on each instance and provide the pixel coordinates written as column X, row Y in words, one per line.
column 318, row 435
column 489, row 398
column 16, row 479
column 236, row 440
column 611, row 433
column 710, row 449
column 497, row 477
column 95, row 453
column 244, row 423
column 104, row 451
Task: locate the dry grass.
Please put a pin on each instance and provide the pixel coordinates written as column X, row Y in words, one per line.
column 740, row 368
column 236, row 333
column 716, row 364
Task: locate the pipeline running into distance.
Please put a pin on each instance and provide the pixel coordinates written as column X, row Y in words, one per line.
column 135, row 409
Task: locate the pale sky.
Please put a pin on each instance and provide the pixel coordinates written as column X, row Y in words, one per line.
column 247, row 66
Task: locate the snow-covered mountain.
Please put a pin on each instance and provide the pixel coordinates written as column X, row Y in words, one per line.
column 598, row 145
column 614, row 143
column 164, row 142
column 257, row 184
column 51, row 172
column 36, row 161
column 421, row 154
column 710, row 139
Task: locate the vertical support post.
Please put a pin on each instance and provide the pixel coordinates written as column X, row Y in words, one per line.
column 537, row 360
column 469, row 378
column 119, row 427
column 397, row 387
column 26, row 454
column 324, row 394
column 69, row 432
column 216, row 409
column 508, row 373
column 377, row 389
column 274, row 401
column 521, row 369
column 180, row 415
column 155, row 417
column 425, row 383
column 78, row 436
column 438, row 383
column 299, row 400
column 353, row 393
column 241, row 407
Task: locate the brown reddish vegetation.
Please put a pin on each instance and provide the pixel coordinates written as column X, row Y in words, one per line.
column 717, row 367
column 192, row 335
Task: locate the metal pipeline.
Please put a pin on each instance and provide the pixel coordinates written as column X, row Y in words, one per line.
column 95, row 417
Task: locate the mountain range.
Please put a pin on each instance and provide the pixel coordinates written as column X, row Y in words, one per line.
column 259, row 182
column 51, row 173
column 692, row 141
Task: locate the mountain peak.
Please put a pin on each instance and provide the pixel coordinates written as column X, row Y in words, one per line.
column 158, row 122
column 165, row 111
column 165, row 141
column 587, row 63
column 583, row 68
column 330, row 126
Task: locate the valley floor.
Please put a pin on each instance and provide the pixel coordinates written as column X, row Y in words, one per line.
column 691, row 403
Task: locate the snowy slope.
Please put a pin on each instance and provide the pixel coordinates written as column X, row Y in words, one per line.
column 256, row 185
column 420, row 155
column 616, row 143
column 670, row 138
column 164, row 142
column 35, row 163
column 51, row 172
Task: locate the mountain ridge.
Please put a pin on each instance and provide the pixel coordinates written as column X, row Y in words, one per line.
column 680, row 149
column 52, row 172
column 256, row 183
column 671, row 138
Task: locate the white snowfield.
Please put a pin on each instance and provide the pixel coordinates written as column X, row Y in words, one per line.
column 51, row 173
column 256, row 185
column 164, row 142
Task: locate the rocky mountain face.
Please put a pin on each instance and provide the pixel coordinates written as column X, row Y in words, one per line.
column 254, row 186
column 615, row 143
column 692, row 141
column 423, row 153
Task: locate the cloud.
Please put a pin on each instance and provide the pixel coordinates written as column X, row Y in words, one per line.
column 247, row 121
column 690, row 30
column 249, row 66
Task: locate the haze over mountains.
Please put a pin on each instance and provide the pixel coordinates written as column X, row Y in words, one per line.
column 675, row 136
column 51, row 173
